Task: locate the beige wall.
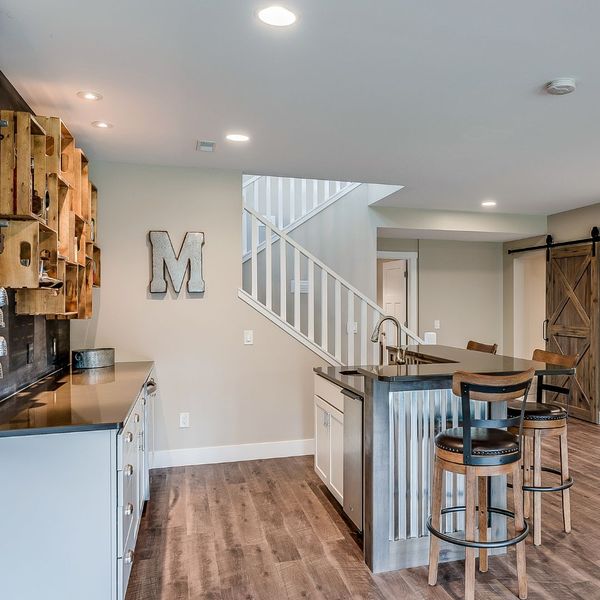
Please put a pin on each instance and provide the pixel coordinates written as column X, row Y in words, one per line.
column 344, row 237
column 235, row 394
column 397, row 245
column 460, row 283
column 574, row 224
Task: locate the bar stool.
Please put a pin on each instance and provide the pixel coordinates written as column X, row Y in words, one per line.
column 479, row 449
column 489, row 348
column 545, row 420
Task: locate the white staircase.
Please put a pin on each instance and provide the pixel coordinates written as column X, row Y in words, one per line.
column 288, row 202
column 298, row 292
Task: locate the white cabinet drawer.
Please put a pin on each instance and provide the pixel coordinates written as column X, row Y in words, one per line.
column 128, row 508
column 329, row 392
column 126, row 516
column 127, row 440
column 124, row 566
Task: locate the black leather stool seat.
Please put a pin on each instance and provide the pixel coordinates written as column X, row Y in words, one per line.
column 485, row 442
column 536, row 411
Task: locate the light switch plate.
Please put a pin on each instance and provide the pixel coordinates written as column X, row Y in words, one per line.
column 436, row 324
column 248, row 337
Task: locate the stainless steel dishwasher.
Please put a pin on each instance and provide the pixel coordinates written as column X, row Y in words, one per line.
column 353, row 457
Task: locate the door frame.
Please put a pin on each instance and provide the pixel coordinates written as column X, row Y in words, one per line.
column 412, row 282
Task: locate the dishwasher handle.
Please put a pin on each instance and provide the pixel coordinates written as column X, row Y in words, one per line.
column 351, row 394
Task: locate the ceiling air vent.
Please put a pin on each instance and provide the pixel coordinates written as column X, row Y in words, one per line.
column 205, row 146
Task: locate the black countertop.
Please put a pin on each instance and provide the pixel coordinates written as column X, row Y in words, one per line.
column 78, row 400
column 441, row 362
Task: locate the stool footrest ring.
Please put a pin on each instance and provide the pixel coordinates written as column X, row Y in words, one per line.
column 557, row 488
column 473, row 544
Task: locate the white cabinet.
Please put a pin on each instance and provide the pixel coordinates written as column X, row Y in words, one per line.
column 329, row 436
column 73, row 505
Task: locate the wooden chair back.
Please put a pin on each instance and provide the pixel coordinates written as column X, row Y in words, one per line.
column 552, row 358
column 489, row 388
column 479, row 347
column 568, row 361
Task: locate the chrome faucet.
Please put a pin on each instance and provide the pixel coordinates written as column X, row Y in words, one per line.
column 377, row 333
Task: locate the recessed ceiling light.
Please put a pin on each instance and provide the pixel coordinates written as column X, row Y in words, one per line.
column 88, row 95
column 102, row 124
column 278, row 16
column 488, row 203
column 237, row 137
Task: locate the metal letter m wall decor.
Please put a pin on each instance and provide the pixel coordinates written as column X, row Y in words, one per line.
column 164, row 259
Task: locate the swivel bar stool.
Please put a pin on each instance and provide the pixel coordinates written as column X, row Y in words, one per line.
column 545, row 420
column 479, row 449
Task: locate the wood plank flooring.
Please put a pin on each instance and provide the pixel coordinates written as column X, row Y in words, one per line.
column 267, row 529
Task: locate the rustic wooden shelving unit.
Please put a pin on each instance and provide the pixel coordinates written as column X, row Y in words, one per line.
column 51, row 208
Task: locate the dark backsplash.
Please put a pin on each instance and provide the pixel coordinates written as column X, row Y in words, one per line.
column 42, row 337
column 20, row 331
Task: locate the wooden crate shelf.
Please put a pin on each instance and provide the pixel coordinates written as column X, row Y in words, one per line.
column 22, row 167
column 60, row 148
column 93, row 213
column 24, row 243
column 43, row 301
column 97, row 266
column 51, row 207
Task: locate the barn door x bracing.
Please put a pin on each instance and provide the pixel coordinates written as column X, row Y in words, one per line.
column 572, row 317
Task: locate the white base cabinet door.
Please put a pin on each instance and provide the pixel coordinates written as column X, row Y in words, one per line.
column 329, row 447
column 322, row 439
column 336, row 454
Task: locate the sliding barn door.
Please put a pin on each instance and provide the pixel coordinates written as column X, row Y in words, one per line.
column 572, row 317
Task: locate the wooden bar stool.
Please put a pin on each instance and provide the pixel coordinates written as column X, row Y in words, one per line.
column 545, row 420
column 479, row 449
column 479, row 347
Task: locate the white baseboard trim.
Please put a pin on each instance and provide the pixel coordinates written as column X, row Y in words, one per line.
column 221, row 454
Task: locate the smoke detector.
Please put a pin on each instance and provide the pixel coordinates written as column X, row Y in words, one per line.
column 561, row 86
column 205, row 146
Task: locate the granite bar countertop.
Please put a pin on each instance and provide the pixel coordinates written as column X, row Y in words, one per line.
column 439, row 364
column 75, row 400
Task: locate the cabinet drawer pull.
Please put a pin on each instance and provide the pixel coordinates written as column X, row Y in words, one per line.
column 136, row 418
column 129, row 557
column 129, row 509
column 128, row 470
column 129, row 436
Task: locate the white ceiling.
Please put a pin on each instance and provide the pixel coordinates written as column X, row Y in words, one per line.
column 442, row 97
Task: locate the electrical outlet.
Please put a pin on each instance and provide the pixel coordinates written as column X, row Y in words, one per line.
column 248, row 337
column 352, row 327
column 436, row 324
column 184, row 420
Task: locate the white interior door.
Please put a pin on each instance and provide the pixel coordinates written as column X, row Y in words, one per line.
column 395, row 292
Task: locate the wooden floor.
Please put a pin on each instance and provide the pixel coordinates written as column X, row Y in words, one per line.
column 267, row 530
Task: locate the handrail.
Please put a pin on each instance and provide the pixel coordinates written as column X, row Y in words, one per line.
column 252, row 179
column 282, row 235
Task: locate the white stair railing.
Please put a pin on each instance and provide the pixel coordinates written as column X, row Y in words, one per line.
column 287, row 202
column 306, row 298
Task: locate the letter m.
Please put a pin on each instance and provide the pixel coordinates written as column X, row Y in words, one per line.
column 165, row 260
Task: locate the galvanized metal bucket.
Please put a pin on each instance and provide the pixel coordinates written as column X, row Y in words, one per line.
column 93, row 358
